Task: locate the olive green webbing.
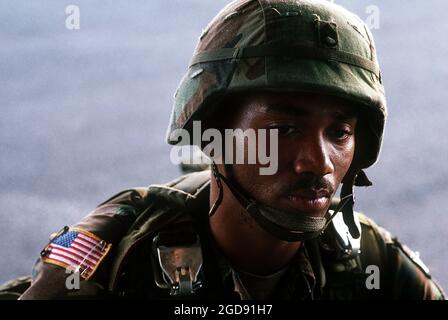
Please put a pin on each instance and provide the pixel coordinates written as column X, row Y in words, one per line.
column 295, row 51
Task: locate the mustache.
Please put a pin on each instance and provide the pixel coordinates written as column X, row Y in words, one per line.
column 310, row 181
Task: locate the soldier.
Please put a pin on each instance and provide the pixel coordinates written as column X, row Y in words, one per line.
column 308, row 70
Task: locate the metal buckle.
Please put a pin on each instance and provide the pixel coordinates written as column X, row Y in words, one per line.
column 180, row 262
column 350, row 248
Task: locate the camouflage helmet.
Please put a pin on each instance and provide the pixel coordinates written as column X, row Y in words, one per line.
column 310, row 46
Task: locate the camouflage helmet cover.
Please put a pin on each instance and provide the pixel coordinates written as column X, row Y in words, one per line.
column 284, row 45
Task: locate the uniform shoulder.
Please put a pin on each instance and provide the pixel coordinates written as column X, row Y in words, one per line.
column 370, row 230
column 407, row 277
column 92, row 245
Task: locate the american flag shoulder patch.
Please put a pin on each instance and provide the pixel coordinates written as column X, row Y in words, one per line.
column 77, row 250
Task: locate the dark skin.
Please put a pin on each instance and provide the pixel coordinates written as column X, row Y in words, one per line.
column 316, row 146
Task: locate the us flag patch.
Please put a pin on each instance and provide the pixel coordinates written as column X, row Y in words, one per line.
column 76, row 249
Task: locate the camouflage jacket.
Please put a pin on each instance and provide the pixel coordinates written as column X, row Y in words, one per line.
column 126, row 265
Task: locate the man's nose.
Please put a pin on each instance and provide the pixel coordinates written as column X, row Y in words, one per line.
column 313, row 156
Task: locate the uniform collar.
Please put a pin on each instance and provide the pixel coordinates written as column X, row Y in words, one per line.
column 297, row 283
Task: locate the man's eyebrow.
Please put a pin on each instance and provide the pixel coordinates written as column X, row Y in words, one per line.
column 283, row 109
column 345, row 114
column 286, row 110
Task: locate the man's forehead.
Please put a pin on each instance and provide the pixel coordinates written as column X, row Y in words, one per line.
column 304, row 110
column 301, row 104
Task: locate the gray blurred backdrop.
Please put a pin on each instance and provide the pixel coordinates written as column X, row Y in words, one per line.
column 83, row 114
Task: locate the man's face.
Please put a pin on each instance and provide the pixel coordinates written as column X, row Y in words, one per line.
column 316, row 145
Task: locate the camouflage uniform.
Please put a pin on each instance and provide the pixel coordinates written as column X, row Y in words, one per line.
column 131, row 220
column 138, row 235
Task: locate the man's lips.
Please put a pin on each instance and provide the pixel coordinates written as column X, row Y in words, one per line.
column 309, row 201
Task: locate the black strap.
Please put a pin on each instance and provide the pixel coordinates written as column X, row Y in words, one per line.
column 218, row 201
column 296, row 51
column 251, row 207
column 347, row 211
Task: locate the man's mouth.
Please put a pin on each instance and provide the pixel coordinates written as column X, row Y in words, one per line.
column 309, row 201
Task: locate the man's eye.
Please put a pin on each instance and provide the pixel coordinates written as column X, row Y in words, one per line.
column 284, row 129
column 341, row 134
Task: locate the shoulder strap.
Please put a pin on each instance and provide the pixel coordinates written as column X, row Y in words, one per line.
column 168, row 204
column 346, row 272
column 374, row 243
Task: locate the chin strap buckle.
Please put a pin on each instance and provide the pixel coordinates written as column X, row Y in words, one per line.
column 179, row 256
column 348, row 246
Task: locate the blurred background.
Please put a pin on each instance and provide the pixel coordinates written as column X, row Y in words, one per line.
column 83, row 114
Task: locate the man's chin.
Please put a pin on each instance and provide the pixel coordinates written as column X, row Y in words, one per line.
column 310, row 207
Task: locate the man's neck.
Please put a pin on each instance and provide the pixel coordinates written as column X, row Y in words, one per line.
column 248, row 247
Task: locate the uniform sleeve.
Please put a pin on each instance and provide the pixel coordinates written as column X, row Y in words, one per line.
column 85, row 248
column 410, row 277
column 403, row 275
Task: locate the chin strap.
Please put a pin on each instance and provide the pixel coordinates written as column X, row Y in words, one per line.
column 358, row 178
column 218, row 201
column 347, row 211
column 289, row 227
